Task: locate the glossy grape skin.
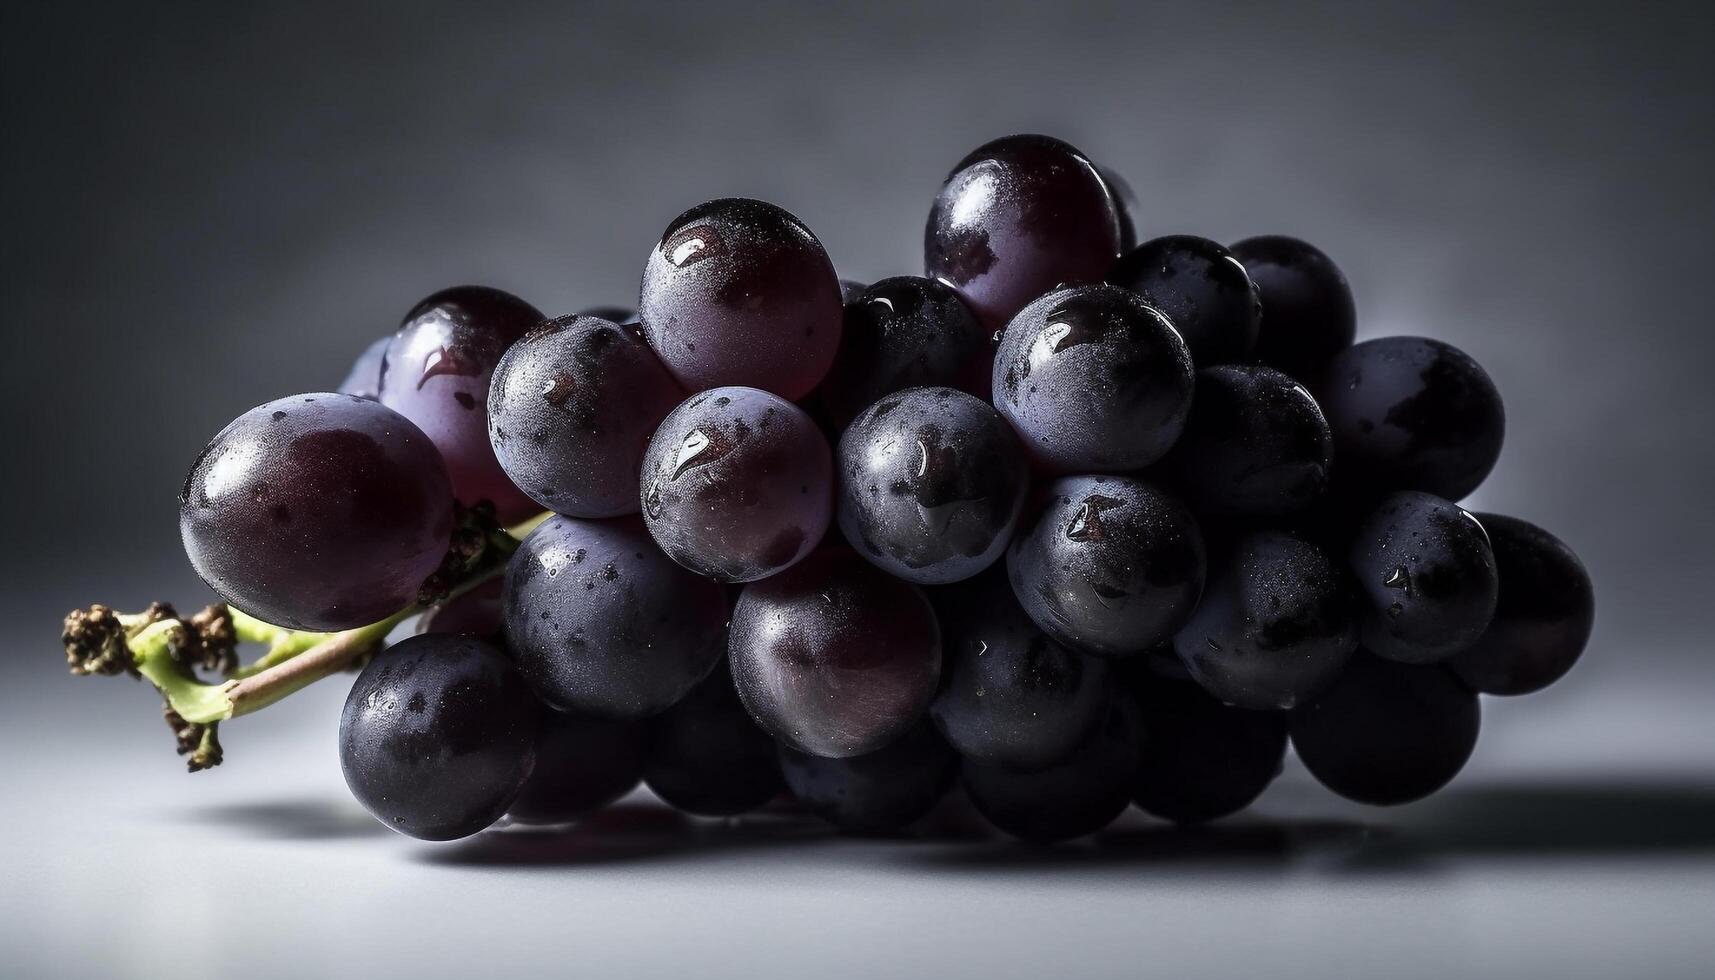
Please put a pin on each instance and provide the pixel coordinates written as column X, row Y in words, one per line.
column 739, row 292
column 438, row 736
column 708, row 757
column 1386, row 733
column 583, row 763
column 436, row 374
column 1111, row 565
column 1202, row 760
column 1307, row 310
column 878, row 792
column 364, row 378
column 834, row 657
column 1073, row 798
column 1255, row 444
column 571, row 409
column 623, row 315
column 601, row 622
column 1202, row 289
column 904, row 332
column 737, row 484
column 1009, row 695
column 932, row 481
column 478, row 611
column 1126, row 206
column 1017, row 217
column 1426, row 577
column 1544, row 612
column 1094, row 380
column 320, row 511
column 1409, row 413
column 1277, row 621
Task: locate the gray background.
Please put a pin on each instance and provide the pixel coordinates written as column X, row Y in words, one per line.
column 206, row 206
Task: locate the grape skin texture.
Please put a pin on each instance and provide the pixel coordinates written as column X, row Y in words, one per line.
column 1201, row 288
column 905, row 332
column 1094, row 380
column 739, row 292
column 932, row 481
column 1015, row 218
column 834, row 657
column 1307, row 310
column 879, row 792
column 1387, row 733
column 364, row 378
column 707, row 756
column 436, row 374
column 1111, row 566
column 1202, row 760
column 1076, row 797
column 601, row 622
column 1544, row 611
column 570, row 411
column 1276, row 623
column 737, row 484
column 1427, row 576
column 438, row 736
column 583, row 763
column 1255, row 445
column 320, row 511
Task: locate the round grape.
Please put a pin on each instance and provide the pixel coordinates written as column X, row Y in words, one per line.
column 1544, row 611
column 900, row 333
column 1426, row 576
column 1202, row 760
column 1307, row 311
column 364, row 378
column 1078, row 796
column 1255, row 445
column 878, row 792
column 708, row 757
column 583, row 763
column 1201, row 288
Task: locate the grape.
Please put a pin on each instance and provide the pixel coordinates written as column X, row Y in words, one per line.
column 931, row 484
column 478, row 611
column 570, row 411
column 1078, row 796
column 1093, row 379
column 1408, row 413
column 320, row 512
column 708, row 757
column 1015, row 218
column 1111, row 566
column 1276, row 623
column 1385, row 733
column 1307, row 313
column 1202, row 760
column 1203, row 291
column 623, row 315
column 438, row 736
column 1544, row 611
column 364, row 378
column 737, row 484
column 878, row 792
column 1126, row 206
column 833, row 657
column 601, row 622
column 1010, row 695
column 1255, row 444
column 1426, row 575
column 900, row 333
column 583, row 763
column 739, row 292
column 436, row 374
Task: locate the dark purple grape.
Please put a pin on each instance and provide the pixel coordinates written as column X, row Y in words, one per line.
column 1010, row 695
column 1202, row 760
column 1094, row 380
column 737, row 484
column 1426, row 575
column 436, row 374
column 1014, row 219
column 708, row 757
column 739, row 292
column 570, row 412
column 1307, row 312
column 583, row 763
column 1385, row 733
column 1075, row 797
column 1203, row 291
column 1255, row 445
column 931, row 484
column 1409, row 413
column 834, row 657
column 1544, row 612
column 364, row 378
column 1111, row 565
column 438, row 736
column 623, row 315
column 1277, row 621
column 477, row 612
column 602, row 623
column 320, row 511
column 1126, row 206
column 878, row 792
column 900, row 333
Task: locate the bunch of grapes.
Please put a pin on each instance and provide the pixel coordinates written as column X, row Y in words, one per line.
column 1073, row 520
